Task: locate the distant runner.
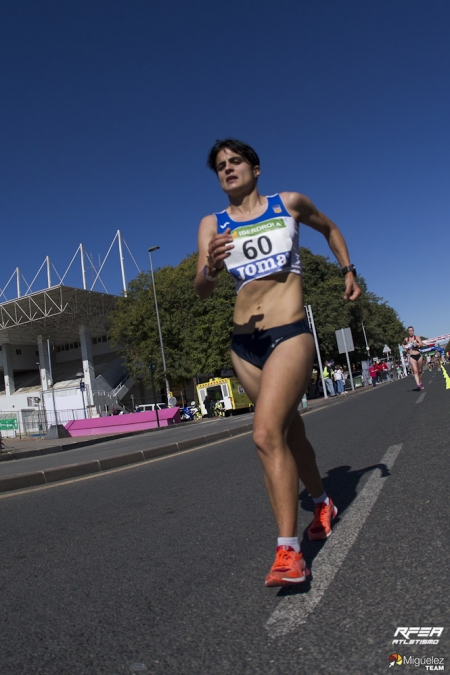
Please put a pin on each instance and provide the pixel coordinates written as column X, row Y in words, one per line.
column 256, row 238
column 412, row 343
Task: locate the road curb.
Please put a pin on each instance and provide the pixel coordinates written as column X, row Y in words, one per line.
column 52, row 449
column 56, row 474
column 61, row 473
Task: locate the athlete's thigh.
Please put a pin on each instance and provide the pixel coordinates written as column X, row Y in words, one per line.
column 413, row 365
column 248, row 375
column 285, row 378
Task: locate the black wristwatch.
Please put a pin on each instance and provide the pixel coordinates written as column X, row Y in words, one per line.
column 349, row 268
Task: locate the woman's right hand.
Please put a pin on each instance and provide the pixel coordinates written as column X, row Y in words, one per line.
column 219, row 249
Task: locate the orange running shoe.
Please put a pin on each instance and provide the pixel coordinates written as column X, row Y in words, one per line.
column 320, row 527
column 289, row 568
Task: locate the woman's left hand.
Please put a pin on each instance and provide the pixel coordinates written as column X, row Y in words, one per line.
column 352, row 290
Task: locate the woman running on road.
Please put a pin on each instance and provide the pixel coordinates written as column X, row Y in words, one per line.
column 256, row 238
column 412, row 343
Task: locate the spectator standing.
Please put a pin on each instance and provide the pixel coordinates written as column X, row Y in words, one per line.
column 328, row 377
column 207, row 402
column 373, row 374
column 377, row 367
column 335, row 384
column 338, row 380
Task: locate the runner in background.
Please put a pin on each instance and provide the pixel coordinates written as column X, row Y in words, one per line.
column 256, row 238
column 412, row 343
column 437, row 358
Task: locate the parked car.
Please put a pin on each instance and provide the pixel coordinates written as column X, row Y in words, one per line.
column 145, row 407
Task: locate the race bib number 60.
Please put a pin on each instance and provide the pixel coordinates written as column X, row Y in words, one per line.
column 259, row 250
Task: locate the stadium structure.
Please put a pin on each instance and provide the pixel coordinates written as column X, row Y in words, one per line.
column 56, row 359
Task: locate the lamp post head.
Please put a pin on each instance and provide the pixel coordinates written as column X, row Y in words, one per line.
column 153, row 248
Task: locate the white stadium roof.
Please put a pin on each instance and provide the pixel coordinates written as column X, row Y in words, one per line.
column 56, row 313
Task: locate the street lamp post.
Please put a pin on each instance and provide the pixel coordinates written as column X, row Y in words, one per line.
column 152, row 368
column 365, row 338
column 150, row 251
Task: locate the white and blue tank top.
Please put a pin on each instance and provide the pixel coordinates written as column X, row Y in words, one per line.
column 263, row 246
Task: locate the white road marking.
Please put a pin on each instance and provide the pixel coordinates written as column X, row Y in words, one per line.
column 294, row 610
column 421, row 397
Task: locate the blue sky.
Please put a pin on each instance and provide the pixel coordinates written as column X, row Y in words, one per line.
column 109, row 108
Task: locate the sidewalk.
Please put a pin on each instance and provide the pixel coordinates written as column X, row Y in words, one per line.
column 19, row 448
column 47, row 461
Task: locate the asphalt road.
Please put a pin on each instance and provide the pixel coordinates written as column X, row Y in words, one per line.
column 159, row 568
column 110, row 448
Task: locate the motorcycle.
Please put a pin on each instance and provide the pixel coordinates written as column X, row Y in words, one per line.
column 186, row 414
column 196, row 411
column 189, row 413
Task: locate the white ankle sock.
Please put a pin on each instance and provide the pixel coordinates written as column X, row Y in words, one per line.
column 322, row 498
column 289, row 541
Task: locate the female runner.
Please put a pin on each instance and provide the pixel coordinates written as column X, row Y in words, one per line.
column 412, row 343
column 256, row 238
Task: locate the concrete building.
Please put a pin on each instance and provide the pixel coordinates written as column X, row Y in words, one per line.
column 56, row 360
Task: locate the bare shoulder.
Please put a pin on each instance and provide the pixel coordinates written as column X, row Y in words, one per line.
column 208, row 223
column 207, row 230
column 298, row 205
column 292, row 199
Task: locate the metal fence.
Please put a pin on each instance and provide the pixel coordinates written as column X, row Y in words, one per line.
column 35, row 422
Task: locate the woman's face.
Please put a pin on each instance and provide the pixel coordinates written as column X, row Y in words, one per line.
column 411, row 332
column 235, row 174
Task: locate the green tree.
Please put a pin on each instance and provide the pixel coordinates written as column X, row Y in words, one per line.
column 324, row 291
column 196, row 333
